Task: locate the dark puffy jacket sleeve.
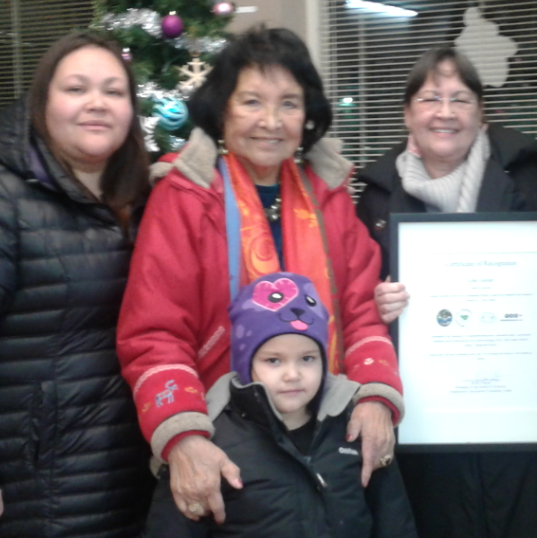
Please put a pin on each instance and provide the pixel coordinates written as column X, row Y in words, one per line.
column 8, row 246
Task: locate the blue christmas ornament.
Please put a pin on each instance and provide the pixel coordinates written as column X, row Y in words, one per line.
column 172, row 113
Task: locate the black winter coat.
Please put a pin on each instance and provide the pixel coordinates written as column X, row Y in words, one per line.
column 287, row 494
column 72, row 460
column 465, row 495
column 509, row 184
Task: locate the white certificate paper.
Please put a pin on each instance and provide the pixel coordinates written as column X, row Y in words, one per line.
column 467, row 342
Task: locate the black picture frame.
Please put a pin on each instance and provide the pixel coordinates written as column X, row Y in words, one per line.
column 400, row 219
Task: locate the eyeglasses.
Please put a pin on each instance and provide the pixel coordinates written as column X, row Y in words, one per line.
column 435, row 101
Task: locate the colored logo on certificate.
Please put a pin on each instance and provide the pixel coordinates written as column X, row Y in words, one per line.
column 444, row 317
column 463, row 317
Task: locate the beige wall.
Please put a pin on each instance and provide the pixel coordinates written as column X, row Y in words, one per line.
column 288, row 13
column 301, row 16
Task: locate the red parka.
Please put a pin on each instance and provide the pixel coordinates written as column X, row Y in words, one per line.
column 173, row 333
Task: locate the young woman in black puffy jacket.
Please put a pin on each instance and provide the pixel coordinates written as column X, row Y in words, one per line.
column 73, row 179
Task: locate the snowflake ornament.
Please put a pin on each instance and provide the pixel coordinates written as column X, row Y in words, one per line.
column 196, row 71
column 489, row 51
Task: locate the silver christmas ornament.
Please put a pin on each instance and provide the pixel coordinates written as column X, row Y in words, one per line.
column 199, row 45
column 176, row 143
column 147, row 19
column 148, row 124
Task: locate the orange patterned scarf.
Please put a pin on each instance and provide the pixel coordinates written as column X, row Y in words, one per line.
column 304, row 249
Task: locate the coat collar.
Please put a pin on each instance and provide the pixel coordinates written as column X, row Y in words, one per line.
column 382, row 172
column 498, row 191
column 507, row 148
column 338, row 393
column 198, row 158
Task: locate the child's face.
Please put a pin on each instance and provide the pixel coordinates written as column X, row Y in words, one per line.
column 291, row 368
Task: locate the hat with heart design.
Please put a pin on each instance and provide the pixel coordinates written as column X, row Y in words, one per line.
column 272, row 305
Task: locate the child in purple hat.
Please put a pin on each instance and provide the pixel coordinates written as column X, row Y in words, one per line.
column 282, row 419
column 278, row 338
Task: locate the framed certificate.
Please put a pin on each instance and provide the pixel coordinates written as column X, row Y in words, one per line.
column 467, row 342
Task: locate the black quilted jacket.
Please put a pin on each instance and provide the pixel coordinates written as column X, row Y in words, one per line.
column 72, row 459
column 287, row 494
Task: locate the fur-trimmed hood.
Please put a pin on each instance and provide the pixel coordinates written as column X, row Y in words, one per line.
column 338, row 393
column 197, row 161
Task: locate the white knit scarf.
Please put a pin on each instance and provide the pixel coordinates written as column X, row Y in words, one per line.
column 456, row 192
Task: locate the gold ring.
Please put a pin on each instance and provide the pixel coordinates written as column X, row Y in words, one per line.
column 196, row 509
column 386, row 460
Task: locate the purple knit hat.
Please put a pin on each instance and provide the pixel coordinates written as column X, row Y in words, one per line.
column 274, row 304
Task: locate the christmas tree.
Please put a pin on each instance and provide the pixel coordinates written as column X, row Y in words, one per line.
column 170, row 45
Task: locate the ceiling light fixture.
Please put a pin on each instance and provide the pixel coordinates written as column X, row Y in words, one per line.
column 378, row 7
column 245, row 9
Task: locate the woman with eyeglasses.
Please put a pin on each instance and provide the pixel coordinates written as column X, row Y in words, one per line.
column 453, row 162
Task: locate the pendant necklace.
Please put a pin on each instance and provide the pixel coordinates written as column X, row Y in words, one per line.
column 273, row 213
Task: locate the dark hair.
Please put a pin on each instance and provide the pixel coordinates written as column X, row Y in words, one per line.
column 428, row 65
column 262, row 47
column 126, row 176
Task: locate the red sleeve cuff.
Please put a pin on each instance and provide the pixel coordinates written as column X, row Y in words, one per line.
column 176, row 438
column 395, row 412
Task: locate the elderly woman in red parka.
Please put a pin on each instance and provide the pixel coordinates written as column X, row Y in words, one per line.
column 237, row 203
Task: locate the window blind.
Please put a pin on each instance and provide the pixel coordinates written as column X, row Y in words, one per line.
column 365, row 58
column 27, row 29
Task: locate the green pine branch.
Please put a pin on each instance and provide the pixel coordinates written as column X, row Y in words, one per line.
column 156, row 59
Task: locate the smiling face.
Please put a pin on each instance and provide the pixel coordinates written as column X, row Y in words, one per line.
column 89, row 110
column 445, row 133
column 290, row 367
column 264, row 121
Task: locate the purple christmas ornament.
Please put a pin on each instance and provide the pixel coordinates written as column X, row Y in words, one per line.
column 172, row 26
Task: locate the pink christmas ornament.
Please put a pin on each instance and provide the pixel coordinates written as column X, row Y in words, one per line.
column 126, row 54
column 222, row 9
column 172, row 25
